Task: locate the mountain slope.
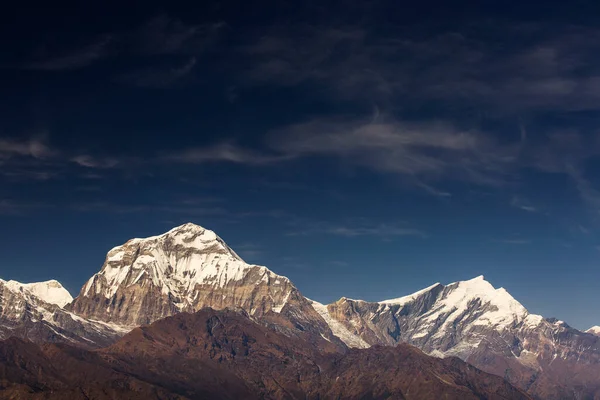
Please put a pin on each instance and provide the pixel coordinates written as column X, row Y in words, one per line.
column 224, row 354
column 184, row 270
column 486, row 327
column 594, row 330
column 33, row 311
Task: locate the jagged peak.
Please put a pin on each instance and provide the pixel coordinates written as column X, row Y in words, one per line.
column 51, row 291
column 174, row 261
column 187, row 236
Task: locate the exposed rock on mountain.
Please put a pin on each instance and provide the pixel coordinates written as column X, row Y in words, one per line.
column 486, row 327
column 225, row 355
column 184, row 270
column 33, row 311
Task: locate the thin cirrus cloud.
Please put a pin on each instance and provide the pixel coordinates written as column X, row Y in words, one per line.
column 427, row 149
column 381, row 230
column 522, row 204
column 223, row 152
column 160, row 35
column 159, row 77
column 74, row 58
column 540, row 70
column 34, row 147
column 164, row 35
column 86, row 160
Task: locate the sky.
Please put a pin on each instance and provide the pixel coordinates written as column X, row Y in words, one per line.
column 363, row 149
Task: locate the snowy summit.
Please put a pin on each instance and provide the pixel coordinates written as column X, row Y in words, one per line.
column 49, row 291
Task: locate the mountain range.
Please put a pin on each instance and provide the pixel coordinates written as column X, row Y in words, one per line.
column 168, row 281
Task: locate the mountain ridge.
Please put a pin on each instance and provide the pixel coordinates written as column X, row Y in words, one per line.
column 189, row 268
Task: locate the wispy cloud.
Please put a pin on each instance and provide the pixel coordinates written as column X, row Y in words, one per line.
column 159, row 77
column 384, row 231
column 74, row 58
column 512, row 241
column 34, row 147
column 15, row 208
column 119, row 208
column 540, row 73
column 589, row 194
column 86, row 160
column 163, row 35
column 227, row 152
column 249, row 251
column 427, row 150
column 522, row 204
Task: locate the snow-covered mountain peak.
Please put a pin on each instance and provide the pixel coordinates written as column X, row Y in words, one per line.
column 187, row 236
column 407, row 299
column 184, row 269
column 49, row 291
column 502, row 307
column 175, row 261
column 594, row 330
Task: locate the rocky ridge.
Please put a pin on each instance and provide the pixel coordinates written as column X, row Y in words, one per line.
column 33, row 311
column 189, row 268
column 484, row 326
column 223, row 354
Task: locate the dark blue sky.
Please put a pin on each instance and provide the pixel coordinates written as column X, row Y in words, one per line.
column 363, row 150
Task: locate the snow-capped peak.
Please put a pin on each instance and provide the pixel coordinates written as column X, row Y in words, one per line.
column 406, row 299
column 188, row 235
column 594, row 330
column 175, row 262
column 49, row 291
column 504, row 308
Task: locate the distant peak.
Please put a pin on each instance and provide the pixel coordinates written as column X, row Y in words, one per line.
column 594, row 330
column 49, row 291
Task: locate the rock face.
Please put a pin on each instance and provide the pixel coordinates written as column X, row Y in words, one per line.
column 223, row 354
column 33, row 311
column 486, row 327
column 185, row 270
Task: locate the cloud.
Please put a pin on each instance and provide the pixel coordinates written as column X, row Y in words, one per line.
column 12, row 207
column 512, row 241
column 161, row 35
column 34, row 148
column 522, row 204
column 249, row 251
column 118, row 208
column 223, row 152
column 74, row 59
column 164, row 35
column 427, row 150
column 86, row 160
column 159, row 77
column 382, row 230
column 494, row 67
column 432, row 190
column 589, row 194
